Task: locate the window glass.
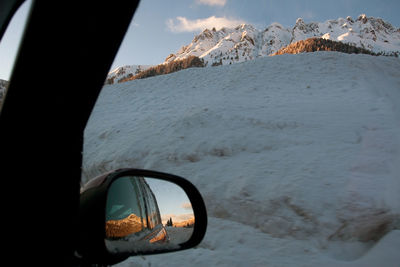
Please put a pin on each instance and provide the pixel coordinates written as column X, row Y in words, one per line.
column 124, row 215
column 154, row 213
column 284, row 114
column 122, row 200
column 141, row 200
column 149, row 201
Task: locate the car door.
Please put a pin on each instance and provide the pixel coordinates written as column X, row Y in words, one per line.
column 43, row 118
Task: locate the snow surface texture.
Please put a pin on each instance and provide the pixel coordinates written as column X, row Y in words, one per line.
column 297, row 156
column 245, row 42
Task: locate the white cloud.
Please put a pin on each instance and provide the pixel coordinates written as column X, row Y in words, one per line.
column 182, row 24
column 187, row 206
column 211, row 2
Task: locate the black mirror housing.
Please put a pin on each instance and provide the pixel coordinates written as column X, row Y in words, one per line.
column 92, row 246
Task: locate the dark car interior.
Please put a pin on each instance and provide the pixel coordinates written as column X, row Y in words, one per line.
column 51, row 219
column 42, row 125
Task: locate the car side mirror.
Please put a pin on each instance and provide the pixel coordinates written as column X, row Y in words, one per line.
column 131, row 212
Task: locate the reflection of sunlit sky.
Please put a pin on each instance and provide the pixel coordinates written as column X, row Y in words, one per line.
column 170, row 197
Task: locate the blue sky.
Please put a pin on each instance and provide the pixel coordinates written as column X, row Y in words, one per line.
column 171, row 199
column 161, row 27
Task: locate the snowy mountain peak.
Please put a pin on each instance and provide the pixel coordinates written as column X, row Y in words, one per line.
column 124, row 72
column 245, row 27
column 300, row 21
column 362, row 18
column 350, row 19
column 206, row 34
column 245, row 42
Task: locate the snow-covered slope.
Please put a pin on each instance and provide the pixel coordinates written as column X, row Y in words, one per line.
column 296, row 156
column 245, row 42
column 124, row 72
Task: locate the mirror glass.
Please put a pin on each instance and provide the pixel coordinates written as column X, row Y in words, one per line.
column 146, row 214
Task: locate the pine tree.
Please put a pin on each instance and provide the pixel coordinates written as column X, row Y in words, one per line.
column 169, row 222
column 138, row 70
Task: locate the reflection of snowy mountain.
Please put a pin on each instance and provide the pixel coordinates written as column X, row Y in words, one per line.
column 296, row 156
column 180, row 220
column 187, row 223
column 245, row 42
column 124, row 227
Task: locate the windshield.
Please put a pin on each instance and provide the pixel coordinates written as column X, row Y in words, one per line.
column 284, row 114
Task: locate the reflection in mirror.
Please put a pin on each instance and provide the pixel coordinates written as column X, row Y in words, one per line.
column 145, row 215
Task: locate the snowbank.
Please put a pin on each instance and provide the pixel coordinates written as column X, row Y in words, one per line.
column 296, row 156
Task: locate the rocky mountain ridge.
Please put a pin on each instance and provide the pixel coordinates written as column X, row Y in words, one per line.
column 125, row 72
column 245, row 42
